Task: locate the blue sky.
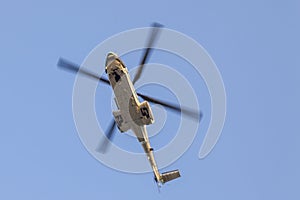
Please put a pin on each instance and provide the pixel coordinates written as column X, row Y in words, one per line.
column 255, row 46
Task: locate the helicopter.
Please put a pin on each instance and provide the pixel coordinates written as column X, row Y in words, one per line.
column 132, row 114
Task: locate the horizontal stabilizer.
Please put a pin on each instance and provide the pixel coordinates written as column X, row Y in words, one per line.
column 168, row 176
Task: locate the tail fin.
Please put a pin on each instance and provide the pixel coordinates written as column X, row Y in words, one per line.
column 170, row 175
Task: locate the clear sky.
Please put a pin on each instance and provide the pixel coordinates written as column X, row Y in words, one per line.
column 255, row 45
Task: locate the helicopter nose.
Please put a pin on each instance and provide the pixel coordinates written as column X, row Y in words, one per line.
column 110, row 58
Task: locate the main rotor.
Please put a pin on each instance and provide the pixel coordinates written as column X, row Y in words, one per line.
column 152, row 38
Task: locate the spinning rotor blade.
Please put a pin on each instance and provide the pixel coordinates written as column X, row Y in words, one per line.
column 176, row 108
column 155, row 31
column 103, row 146
column 67, row 65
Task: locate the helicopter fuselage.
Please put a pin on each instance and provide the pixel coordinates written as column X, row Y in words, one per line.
column 131, row 113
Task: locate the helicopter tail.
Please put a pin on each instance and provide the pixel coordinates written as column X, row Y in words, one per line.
column 167, row 176
column 170, row 175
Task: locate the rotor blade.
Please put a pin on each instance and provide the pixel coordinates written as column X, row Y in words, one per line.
column 155, row 31
column 191, row 113
column 104, row 144
column 67, row 65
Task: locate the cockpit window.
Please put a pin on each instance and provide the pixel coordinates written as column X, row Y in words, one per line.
column 116, row 75
column 121, row 63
